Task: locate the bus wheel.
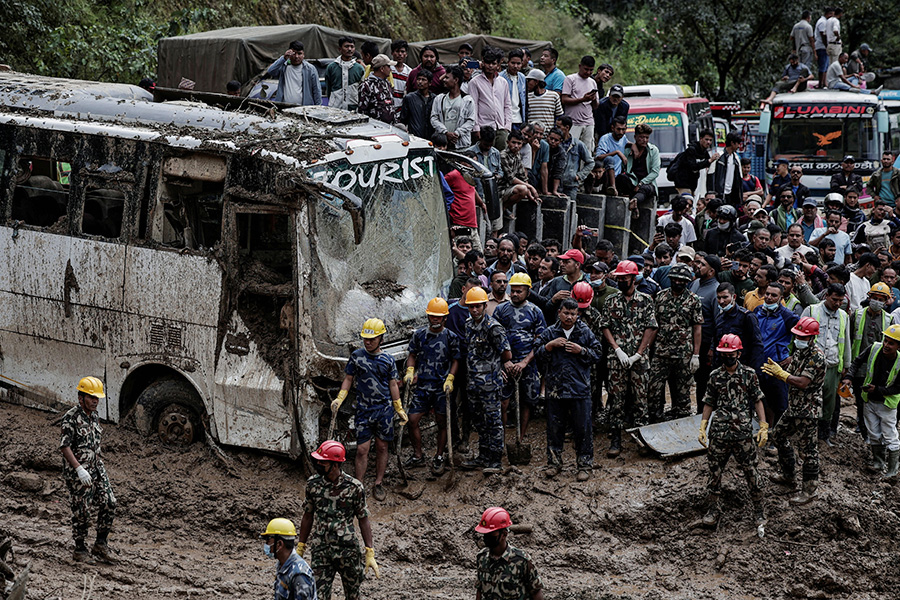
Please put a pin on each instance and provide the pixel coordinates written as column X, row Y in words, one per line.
column 171, row 408
column 175, row 426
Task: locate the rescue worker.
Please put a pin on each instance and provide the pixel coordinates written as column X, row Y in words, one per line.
column 435, row 351
column 733, row 392
column 502, row 570
column 84, row 472
column 333, row 499
column 487, row 354
column 834, row 341
column 629, row 327
column 804, row 377
column 866, row 325
column 294, row 578
column 677, row 350
column 377, row 388
column 523, row 322
column 568, row 349
column 880, row 366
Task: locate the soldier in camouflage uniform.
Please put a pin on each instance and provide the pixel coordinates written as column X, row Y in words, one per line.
column 629, row 327
column 377, row 391
column 503, row 572
column 333, row 500
column 804, row 377
column 85, row 474
column 488, row 353
column 676, row 354
column 733, row 392
column 523, row 322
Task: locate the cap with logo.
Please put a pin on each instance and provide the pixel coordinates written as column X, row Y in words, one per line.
column 617, row 90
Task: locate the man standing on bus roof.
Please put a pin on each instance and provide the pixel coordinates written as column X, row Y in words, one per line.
column 298, row 80
column 84, row 472
column 821, row 44
column 377, row 389
column 802, row 38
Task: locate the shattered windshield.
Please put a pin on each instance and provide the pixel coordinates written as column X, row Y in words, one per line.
column 403, row 256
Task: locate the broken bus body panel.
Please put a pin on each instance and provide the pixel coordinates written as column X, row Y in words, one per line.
column 235, row 252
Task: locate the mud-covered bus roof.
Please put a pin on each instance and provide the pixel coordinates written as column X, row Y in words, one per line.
column 305, row 133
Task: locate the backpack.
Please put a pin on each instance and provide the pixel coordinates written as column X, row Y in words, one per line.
column 673, row 169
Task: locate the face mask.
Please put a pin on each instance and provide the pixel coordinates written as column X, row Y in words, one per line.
column 491, row 540
column 801, row 344
column 876, row 304
column 267, row 549
column 638, row 279
column 320, row 468
column 724, row 226
column 729, row 360
column 727, row 307
column 770, row 306
column 678, row 286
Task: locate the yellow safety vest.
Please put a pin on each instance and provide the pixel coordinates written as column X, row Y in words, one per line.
column 861, row 326
column 889, row 401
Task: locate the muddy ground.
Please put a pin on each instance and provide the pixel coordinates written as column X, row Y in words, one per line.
column 187, row 525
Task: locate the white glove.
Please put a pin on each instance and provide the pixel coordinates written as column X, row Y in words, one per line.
column 634, row 358
column 83, row 476
column 694, row 364
column 623, row 358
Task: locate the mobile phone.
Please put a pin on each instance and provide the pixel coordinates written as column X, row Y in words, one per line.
column 589, row 232
column 473, row 64
column 660, row 229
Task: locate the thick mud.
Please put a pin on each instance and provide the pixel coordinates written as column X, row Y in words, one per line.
column 187, row 525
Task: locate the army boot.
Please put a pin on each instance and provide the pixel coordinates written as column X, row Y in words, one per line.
column 876, row 464
column 806, row 495
column 615, row 443
column 893, row 458
column 81, row 553
column 711, row 518
column 783, row 477
column 101, row 548
column 473, row 464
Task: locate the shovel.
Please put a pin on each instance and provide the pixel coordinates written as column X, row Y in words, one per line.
column 451, row 481
column 331, row 426
column 520, row 454
column 400, row 439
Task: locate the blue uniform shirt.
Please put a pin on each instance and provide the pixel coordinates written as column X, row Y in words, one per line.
column 569, row 375
column 486, row 342
column 372, row 374
column 434, row 352
column 523, row 325
column 294, row 580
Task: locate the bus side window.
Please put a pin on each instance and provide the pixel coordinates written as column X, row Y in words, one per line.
column 103, row 212
column 188, row 209
column 41, row 194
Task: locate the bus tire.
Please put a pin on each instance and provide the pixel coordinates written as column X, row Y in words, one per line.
column 171, row 409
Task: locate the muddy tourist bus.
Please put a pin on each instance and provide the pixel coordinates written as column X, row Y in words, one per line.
column 213, row 268
column 817, row 129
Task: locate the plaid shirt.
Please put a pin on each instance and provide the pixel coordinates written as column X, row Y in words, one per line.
column 511, row 167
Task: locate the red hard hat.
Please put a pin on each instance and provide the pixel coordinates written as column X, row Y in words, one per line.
column 626, row 267
column 583, row 293
column 493, row 519
column 730, row 343
column 806, row 326
column 330, row 450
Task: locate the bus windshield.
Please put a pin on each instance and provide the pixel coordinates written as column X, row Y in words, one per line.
column 824, row 140
column 668, row 133
column 402, row 255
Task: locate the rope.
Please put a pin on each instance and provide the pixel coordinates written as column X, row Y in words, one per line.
column 636, row 236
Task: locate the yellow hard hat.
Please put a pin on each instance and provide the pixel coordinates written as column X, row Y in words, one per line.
column 476, row 295
column 520, row 279
column 893, row 332
column 91, row 386
column 437, row 307
column 880, row 288
column 372, row 328
column 280, row 527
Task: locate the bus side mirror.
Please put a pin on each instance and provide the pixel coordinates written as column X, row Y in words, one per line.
column 882, row 119
column 765, row 121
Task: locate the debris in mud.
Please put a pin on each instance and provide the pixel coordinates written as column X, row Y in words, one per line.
column 383, row 288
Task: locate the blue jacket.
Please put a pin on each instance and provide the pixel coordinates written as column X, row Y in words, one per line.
column 775, row 331
column 520, row 81
column 568, row 375
column 742, row 323
column 312, row 91
column 604, row 114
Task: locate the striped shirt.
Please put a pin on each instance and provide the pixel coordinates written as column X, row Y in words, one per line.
column 544, row 109
column 400, row 82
